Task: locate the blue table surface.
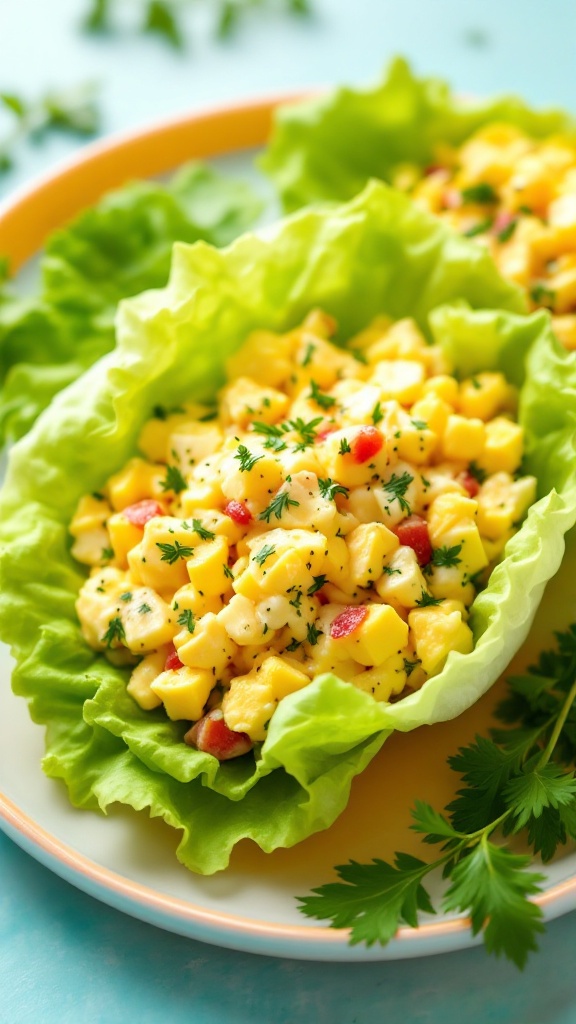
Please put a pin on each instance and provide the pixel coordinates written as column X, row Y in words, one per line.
column 64, row 957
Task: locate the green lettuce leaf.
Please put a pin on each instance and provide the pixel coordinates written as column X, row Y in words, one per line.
column 117, row 249
column 375, row 254
column 327, row 148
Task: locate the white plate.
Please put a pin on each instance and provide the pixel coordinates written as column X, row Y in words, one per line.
column 128, row 861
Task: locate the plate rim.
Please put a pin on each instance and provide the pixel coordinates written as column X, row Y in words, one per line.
column 27, row 216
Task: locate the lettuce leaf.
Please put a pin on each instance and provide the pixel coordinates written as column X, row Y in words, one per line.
column 375, row 254
column 327, row 148
column 115, row 250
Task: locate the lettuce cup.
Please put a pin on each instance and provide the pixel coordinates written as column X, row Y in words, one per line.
column 376, row 255
column 493, row 169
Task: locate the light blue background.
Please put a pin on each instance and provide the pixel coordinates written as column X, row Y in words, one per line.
column 65, row 958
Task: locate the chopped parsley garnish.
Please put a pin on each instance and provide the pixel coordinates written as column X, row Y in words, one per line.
column 280, row 502
column 507, row 231
column 419, row 424
column 173, row 481
column 396, row 487
column 390, row 571
column 144, row 609
column 228, row 572
column 172, row 552
column 186, row 618
column 483, row 192
column 344, row 447
column 294, row 644
column 246, row 459
column 273, row 434
column 427, row 600
column 377, row 414
column 312, row 634
column 296, row 601
column 479, row 228
column 409, row 666
column 264, row 553
column 307, row 432
column 329, row 489
column 202, row 532
column 126, row 597
column 477, row 472
column 543, row 295
column 447, row 556
column 115, row 632
column 320, row 397
column 107, row 554
column 319, row 582
column 310, row 350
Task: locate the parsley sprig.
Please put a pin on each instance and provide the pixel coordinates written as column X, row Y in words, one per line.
column 521, row 779
column 72, row 110
column 166, row 19
column 396, row 488
column 279, row 504
column 172, row 552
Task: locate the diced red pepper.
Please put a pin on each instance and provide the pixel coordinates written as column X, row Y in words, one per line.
column 366, row 444
column 142, row 511
column 347, row 621
column 212, row 736
column 469, row 483
column 413, row 532
column 238, row 512
column 173, row 661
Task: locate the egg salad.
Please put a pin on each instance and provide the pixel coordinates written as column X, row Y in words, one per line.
column 517, row 195
column 336, row 512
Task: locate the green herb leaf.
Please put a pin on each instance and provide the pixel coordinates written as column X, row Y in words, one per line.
column 319, row 582
column 483, row 192
column 280, row 502
column 313, row 634
column 246, row 459
column 161, row 19
column 329, row 489
column 187, row 619
column 115, row 633
column 372, row 899
column 428, row 600
column 173, row 481
column 202, row 532
column 396, row 488
column 264, row 553
column 445, row 556
column 320, row 397
column 492, row 885
column 172, row 552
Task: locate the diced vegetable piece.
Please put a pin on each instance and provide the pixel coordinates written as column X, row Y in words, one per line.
column 366, row 444
column 347, row 621
column 211, row 735
column 238, row 512
column 142, row 511
column 413, row 532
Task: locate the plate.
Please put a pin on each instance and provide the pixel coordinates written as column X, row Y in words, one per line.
column 127, row 860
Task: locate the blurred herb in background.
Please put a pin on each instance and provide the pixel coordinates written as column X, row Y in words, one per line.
column 165, row 17
column 72, row 110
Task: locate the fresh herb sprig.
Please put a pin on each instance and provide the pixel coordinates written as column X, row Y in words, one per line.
column 520, row 780
column 74, row 110
column 166, row 18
